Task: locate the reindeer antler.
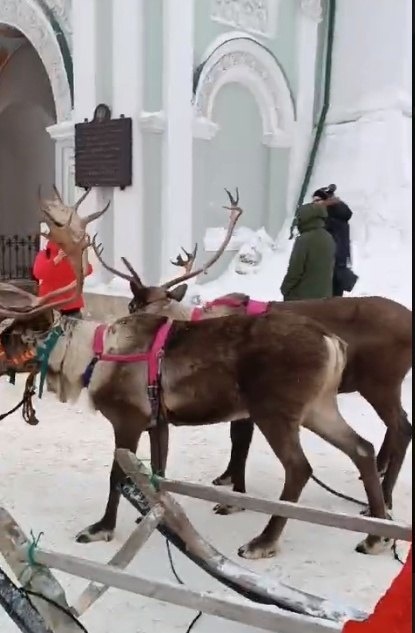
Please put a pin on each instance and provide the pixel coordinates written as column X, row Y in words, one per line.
column 70, row 235
column 236, row 212
column 189, row 260
column 132, row 278
column 34, row 305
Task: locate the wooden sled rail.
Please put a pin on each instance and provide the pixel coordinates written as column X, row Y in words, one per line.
column 177, row 528
column 353, row 523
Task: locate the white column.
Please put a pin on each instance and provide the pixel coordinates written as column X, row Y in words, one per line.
column 176, row 229
column 84, row 19
column 308, row 18
column 63, row 136
column 127, row 62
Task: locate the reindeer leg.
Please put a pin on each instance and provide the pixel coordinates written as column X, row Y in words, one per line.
column 327, row 422
column 159, row 447
column 400, row 442
column 387, row 405
column 283, row 438
column 241, row 437
column 126, row 436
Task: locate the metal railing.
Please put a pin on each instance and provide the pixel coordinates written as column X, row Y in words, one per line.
column 17, row 254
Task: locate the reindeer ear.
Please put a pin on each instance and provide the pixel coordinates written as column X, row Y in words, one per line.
column 178, row 293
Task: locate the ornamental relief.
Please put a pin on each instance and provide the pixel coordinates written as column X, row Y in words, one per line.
column 62, row 10
column 312, row 9
column 236, row 58
column 27, row 17
column 255, row 16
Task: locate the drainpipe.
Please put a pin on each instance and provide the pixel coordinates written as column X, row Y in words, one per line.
column 323, row 113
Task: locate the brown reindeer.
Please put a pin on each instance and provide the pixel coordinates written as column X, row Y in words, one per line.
column 283, row 370
column 378, row 332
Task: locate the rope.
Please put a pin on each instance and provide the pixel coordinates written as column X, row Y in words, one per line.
column 33, row 565
column 341, row 495
column 28, row 410
column 155, row 481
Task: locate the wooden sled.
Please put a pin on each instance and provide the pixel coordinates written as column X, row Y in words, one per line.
column 278, row 607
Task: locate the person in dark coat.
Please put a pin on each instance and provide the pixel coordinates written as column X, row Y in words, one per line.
column 337, row 224
column 310, row 270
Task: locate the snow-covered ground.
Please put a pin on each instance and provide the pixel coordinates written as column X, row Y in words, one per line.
column 54, row 477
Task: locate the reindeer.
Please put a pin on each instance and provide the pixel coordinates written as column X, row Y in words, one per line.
column 378, row 332
column 281, row 369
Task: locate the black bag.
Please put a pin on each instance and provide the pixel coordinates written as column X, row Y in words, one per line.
column 346, row 278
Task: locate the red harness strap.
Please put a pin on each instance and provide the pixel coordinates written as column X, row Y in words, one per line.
column 253, row 307
column 152, row 357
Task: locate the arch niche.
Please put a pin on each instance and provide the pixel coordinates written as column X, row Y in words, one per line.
column 35, row 93
column 244, row 60
column 244, row 108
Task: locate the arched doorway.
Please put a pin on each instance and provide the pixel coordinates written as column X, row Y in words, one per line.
column 35, row 93
column 27, row 156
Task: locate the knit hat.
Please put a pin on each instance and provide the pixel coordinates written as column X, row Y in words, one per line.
column 325, row 192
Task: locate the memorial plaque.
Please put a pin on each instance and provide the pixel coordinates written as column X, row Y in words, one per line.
column 103, row 151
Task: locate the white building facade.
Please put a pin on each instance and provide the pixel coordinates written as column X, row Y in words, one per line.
column 222, row 93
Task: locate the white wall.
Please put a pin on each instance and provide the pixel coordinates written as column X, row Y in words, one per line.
column 371, row 56
column 366, row 146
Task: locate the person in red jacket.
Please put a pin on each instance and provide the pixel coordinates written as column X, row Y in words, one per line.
column 54, row 271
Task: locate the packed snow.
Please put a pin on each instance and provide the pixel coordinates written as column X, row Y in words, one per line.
column 54, row 477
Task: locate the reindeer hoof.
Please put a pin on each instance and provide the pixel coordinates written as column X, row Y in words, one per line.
column 223, row 480
column 224, row 509
column 256, row 549
column 374, row 545
column 94, row 533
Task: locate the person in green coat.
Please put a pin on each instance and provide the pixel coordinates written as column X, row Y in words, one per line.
column 310, row 270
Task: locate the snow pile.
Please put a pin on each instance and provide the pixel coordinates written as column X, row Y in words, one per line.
column 381, row 258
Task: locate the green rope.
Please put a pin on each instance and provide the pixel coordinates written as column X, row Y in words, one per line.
column 154, row 478
column 32, row 548
column 32, row 566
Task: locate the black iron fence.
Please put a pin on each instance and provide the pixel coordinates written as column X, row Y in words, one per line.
column 17, row 253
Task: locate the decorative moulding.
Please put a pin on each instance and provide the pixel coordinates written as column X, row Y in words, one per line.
column 153, row 122
column 28, row 17
column 312, row 9
column 243, row 60
column 62, row 10
column 255, row 16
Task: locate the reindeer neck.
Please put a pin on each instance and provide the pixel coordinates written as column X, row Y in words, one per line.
column 71, row 353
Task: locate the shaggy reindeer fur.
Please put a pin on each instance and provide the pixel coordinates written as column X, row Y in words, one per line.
column 378, row 333
column 281, row 369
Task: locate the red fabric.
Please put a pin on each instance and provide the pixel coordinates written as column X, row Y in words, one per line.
column 53, row 276
column 393, row 612
column 152, row 357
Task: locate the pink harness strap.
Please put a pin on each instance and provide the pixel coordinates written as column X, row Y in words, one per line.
column 256, row 307
column 152, row 357
column 253, row 308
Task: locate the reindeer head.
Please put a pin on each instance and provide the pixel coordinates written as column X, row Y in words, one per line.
column 67, row 229
column 26, row 319
column 165, row 299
